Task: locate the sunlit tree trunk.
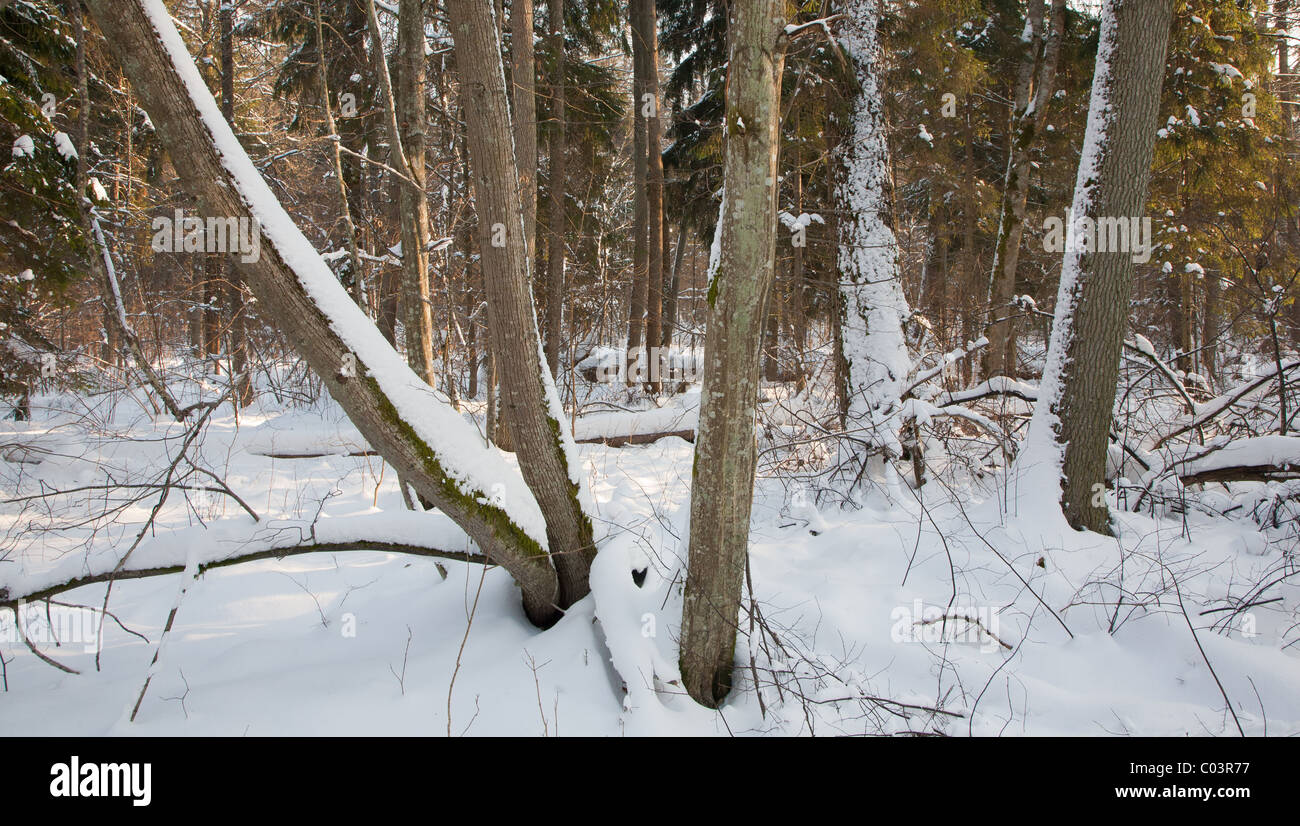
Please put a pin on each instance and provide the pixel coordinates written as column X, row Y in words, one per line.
column 530, row 404
column 740, row 283
column 1067, row 442
column 556, row 219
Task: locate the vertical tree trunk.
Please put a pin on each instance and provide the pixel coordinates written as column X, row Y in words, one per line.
column 636, row 318
column 674, row 286
column 406, row 128
column 740, row 281
column 523, row 98
column 353, row 279
column 1028, row 117
column 412, row 120
column 1210, row 327
column 112, row 332
column 646, row 33
column 1066, row 446
column 556, row 218
column 530, row 403
column 874, row 350
column 242, row 394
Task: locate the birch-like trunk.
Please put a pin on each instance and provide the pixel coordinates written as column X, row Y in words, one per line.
column 740, row 284
column 1066, row 446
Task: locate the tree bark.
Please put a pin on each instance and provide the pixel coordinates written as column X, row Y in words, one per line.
column 1027, row 121
column 645, row 34
column 1071, row 423
column 556, row 217
column 406, row 126
column 636, row 319
column 741, row 280
column 529, row 402
column 523, row 90
column 353, row 280
column 240, row 376
column 310, row 306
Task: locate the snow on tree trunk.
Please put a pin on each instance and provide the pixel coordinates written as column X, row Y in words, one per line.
column 875, row 359
column 741, row 270
column 415, row 430
column 1065, row 451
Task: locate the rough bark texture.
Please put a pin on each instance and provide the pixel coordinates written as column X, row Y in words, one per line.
column 416, row 239
column 741, row 280
column 406, row 126
column 555, row 218
column 529, row 403
column 130, row 34
column 1092, row 305
column 640, row 206
column 242, row 393
column 354, row 279
column 646, row 33
column 523, row 109
column 1027, row 121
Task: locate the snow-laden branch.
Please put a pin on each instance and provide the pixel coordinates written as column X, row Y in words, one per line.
column 411, row 424
column 234, row 542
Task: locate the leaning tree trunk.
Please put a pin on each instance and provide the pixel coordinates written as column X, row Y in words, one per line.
column 433, row 448
column 556, row 218
column 740, row 282
column 530, row 404
column 1068, row 436
column 874, row 350
column 1027, row 121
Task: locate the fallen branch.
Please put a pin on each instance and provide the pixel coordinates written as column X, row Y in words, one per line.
column 10, row 601
column 637, row 438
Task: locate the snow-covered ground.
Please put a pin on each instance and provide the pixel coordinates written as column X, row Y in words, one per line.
column 846, row 639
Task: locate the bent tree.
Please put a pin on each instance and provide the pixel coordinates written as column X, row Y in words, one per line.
column 437, row 451
column 740, row 282
column 1066, row 447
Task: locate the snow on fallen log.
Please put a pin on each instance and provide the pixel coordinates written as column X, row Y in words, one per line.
column 236, row 541
column 996, row 386
column 1255, row 459
column 638, row 426
column 302, row 436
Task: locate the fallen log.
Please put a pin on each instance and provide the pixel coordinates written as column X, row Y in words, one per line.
column 637, row 438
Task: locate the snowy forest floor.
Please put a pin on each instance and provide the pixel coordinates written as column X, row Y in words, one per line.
column 846, row 639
